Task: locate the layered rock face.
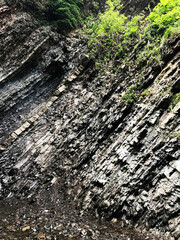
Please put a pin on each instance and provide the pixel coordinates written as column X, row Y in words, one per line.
column 59, row 122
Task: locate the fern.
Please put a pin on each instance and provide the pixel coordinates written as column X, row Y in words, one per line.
column 65, row 13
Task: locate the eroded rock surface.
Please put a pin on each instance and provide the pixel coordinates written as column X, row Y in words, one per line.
column 60, row 123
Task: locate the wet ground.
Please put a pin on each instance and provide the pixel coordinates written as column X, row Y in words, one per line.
column 25, row 221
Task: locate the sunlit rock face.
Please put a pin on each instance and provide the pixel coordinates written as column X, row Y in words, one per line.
column 133, row 7
column 59, row 122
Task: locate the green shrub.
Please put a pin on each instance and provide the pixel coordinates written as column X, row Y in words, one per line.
column 165, row 15
column 133, row 27
column 130, row 94
column 162, row 23
column 111, row 21
column 64, row 13
column 126, row 35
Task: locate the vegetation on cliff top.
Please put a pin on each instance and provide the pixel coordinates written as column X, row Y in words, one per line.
column 119, row 36
column 64, row 14
column 139, row 41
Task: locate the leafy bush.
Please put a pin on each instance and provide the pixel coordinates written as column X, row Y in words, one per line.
column 165, row 15
column 111, row 21
column 128, row 34
column 64, row 13
column 162, row 23
column 130, row 94
column 132, row 27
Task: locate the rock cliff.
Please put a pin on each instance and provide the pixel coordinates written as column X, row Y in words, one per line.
column 59, row 120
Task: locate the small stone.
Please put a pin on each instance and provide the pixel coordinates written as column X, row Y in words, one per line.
column 114, row 220
column 26, row 228
column 71, row 78
column 2, row 148
column 59, row 227
column 41, row 236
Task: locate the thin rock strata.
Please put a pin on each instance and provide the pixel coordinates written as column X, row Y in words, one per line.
column 59, row 123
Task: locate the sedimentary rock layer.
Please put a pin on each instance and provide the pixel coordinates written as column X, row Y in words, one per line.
column 59, row 120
